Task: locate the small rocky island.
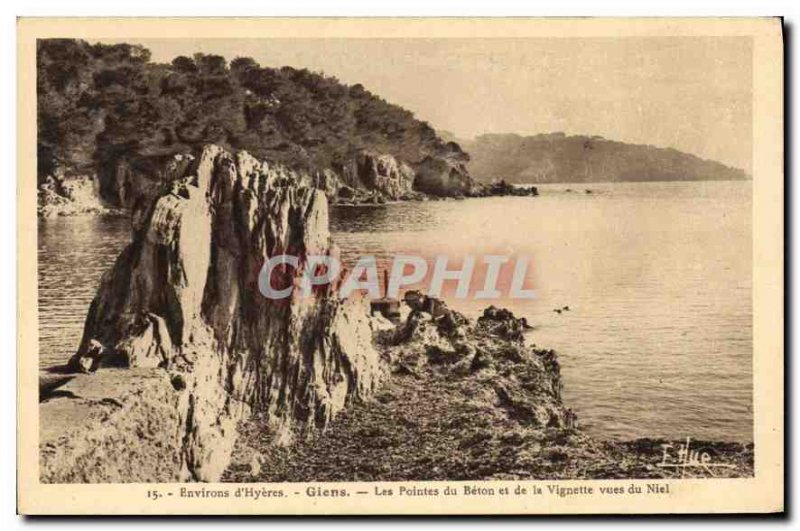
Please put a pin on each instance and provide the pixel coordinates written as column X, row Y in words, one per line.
column 186, row 373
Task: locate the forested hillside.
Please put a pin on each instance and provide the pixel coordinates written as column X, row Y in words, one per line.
column 100, row 104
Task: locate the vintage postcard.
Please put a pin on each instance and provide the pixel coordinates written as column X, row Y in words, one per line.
column 400, row 266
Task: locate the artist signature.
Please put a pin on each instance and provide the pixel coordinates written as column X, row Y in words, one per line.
column 684, row 459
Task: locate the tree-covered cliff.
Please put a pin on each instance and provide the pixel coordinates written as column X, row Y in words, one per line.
column 553, row 158
column 101, row 105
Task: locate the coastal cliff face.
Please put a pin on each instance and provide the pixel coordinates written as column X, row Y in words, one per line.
column 368, row 177
column 371, row 176
column 184, row 298
column 124, row 188
column 133, row 187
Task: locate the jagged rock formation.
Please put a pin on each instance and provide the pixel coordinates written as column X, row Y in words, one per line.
column 125, row 188
column 374, row 177
column 555, row 158
column 184, row 298
column 444, row 176
column 134, row 187
column 369, row 177
column 466, row 400
column 490, row 355
column 61, row 196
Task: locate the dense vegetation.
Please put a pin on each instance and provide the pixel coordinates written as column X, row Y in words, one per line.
column 553, row 158
column 99, row 104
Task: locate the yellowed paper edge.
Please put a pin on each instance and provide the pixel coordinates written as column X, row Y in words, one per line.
column 763, row 493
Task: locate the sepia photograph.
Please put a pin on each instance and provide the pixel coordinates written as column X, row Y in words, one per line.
column 380, row 260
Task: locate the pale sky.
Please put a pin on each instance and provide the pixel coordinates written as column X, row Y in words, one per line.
column 690, row 93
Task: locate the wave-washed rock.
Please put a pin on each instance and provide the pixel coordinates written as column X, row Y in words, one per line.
column 489, row 353
column 367, row 177
column 183, row 299
column 69, row 196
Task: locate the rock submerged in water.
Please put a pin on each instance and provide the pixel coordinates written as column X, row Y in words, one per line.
column 184, row 298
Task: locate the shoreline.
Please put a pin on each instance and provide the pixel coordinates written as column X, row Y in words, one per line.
column 445, row 411
column 166, row 393
column 70, row 210
column 81, row 198
column 464, row 414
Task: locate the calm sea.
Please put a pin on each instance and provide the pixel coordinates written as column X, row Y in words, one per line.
column 657, row 341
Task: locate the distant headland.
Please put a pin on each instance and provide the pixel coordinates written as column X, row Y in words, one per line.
column 558, row 158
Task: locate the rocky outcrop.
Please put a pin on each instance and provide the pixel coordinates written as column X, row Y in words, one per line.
column 126, row 187
column 375, row 175
column 69, row 196
column 385, row 174
column 368, row 177
column 489, row 353
column 135, row 186
column 184, row 298
column 444, row 177
column 466, row 400
column 115, row 426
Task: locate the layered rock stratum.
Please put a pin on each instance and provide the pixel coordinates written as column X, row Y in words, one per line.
column 182, row 302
